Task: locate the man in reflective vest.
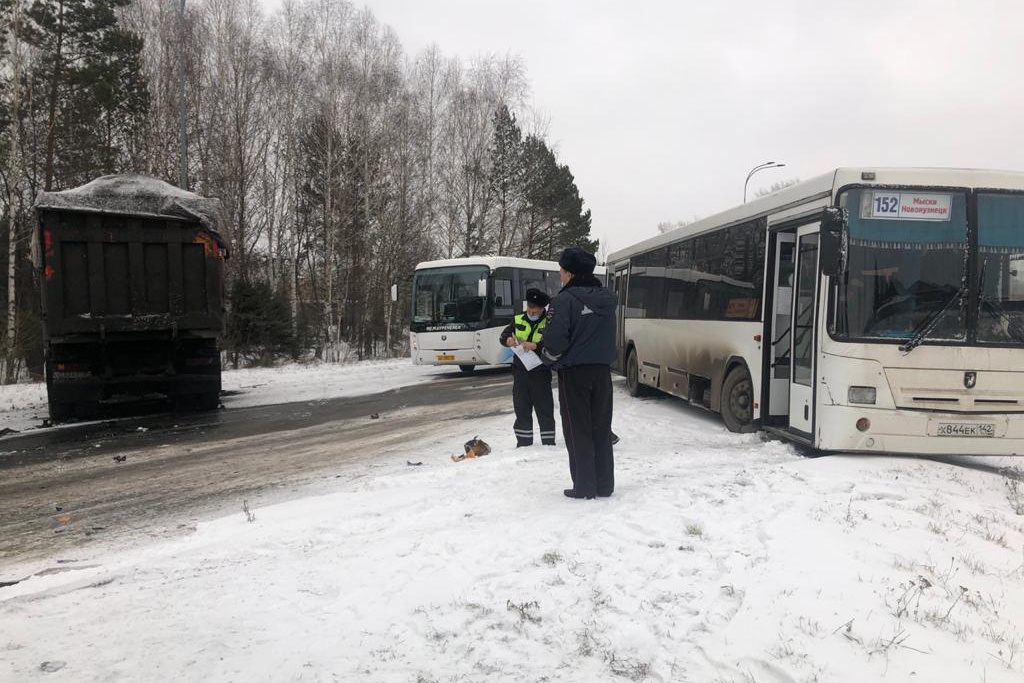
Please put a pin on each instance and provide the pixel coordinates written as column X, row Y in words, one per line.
column 531, row 389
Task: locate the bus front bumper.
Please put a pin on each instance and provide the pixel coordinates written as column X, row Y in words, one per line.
column 446, row 357
column 918, row 432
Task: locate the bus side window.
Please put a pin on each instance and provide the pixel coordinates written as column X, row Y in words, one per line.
column 551, row 283
column 532, row 279
column 503, row 304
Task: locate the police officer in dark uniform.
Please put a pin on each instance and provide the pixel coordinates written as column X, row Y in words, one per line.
column 579, row 342
column 531, row 389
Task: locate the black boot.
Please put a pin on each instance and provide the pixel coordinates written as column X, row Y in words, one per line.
column 572, row 493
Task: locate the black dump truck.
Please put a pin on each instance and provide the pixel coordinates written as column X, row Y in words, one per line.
column 132, row 272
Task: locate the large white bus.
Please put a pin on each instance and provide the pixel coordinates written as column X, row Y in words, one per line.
column 868, row 309
column 460, row 306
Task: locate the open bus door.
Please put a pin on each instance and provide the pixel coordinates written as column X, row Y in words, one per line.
column 803, row 342
column 781, row 319
column 620, row 282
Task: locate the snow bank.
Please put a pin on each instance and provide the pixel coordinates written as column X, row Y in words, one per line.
column 318, row 381
column 719, row 558
column 23, row 406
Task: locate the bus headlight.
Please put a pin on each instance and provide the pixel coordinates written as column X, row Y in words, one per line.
column 862, row 395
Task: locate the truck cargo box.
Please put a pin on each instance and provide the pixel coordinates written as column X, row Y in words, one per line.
column 133, row 297
column 130, row 254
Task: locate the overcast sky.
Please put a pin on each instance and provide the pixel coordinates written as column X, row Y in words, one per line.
column 660, row 107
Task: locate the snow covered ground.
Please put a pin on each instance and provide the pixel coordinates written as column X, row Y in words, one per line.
column 719, row 558
column 23, row 406
column 292, row 383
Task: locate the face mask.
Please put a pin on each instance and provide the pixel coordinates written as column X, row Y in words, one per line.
column 533, row 318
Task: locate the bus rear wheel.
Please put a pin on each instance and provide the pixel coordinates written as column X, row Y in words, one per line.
column 738, row 401
column 467, row 369
column 633, row 385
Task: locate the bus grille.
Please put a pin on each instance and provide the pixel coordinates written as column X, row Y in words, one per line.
column 947, row 390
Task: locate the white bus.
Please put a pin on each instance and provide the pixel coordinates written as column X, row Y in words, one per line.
column 869, row 310
column 460, row 306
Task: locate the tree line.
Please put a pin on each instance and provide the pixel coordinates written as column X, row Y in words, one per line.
column 341, row 161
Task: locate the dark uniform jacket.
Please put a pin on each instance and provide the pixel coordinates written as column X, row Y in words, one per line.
column 581, row 325
column 524, row 329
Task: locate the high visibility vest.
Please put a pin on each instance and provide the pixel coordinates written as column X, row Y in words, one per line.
column 527, row 330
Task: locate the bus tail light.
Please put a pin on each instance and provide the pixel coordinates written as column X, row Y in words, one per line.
column 863, row 424
column 862, row 395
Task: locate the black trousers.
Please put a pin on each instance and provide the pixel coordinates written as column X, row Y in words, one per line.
column 585, row 394
column 531, row 391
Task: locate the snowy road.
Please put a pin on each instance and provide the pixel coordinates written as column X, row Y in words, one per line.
column 65, row 488
column 720, row 558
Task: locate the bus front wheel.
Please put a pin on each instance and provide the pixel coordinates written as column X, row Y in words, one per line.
column 467, row 369
column 636, row 389
column 738, row 401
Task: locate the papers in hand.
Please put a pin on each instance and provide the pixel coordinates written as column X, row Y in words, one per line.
column 529, row 359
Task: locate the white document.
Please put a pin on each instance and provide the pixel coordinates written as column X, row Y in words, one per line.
column 529, row 359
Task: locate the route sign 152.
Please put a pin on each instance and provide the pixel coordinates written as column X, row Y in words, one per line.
column 913, row 206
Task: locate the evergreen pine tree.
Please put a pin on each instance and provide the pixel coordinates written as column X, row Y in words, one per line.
column 6, row 20
column 94, row 90
column 259, row 324
column 539, row 168
column 555, row 215
column 506, row 178
column 570, row 224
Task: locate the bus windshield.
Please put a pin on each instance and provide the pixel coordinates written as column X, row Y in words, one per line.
column 446, row 296
column 906, row 266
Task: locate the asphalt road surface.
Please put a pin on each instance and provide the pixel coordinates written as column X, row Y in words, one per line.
column 152, row 477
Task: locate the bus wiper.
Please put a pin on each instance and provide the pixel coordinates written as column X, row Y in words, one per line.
column 925, row 327
column 997, row 311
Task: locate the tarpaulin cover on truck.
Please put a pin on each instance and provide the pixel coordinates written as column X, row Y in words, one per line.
column 136, row 195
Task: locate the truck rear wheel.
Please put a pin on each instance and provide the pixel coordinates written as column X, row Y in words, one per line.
column 208, row 401
column 61, row 412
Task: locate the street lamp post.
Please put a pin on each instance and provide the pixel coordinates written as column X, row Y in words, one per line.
column 759, row 167
column 182, row 103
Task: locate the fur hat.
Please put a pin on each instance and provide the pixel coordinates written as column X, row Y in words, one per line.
column 577, row 261
column 537, row 297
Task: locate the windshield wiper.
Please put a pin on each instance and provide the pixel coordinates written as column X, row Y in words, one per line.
column 997, row 311
column 925, row 327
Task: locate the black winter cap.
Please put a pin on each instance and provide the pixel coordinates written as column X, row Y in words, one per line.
column 577, row 261
column 537, row 297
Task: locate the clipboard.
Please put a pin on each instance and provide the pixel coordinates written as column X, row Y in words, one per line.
column 529, row 359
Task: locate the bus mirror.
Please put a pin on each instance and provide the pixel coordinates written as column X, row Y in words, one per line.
column 833, row 241
column 394, row 293
column 481, row 287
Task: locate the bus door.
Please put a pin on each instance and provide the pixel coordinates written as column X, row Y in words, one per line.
column 782, row 313
column 802, row 339
column 621, row 280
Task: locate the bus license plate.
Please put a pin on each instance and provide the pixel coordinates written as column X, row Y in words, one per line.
column 442, row 357
column 966, row 429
